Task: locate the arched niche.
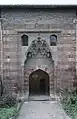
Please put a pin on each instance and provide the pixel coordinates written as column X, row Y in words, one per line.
column 24, row 40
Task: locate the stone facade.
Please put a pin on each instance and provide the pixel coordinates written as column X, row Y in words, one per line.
column 37, row 22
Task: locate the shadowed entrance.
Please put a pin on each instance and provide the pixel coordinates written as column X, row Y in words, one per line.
column 39, row 83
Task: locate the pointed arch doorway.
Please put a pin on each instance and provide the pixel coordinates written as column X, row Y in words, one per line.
column 39, row 83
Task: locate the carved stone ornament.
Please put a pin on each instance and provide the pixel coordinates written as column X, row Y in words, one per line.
column 39, row 49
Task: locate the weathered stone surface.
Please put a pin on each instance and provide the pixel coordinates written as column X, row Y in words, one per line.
column 34, row 24
column 46, row 109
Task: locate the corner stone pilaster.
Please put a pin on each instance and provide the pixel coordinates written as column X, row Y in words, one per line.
column 76, row 48
column 0, row 50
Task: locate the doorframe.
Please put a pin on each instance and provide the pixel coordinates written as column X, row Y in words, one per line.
column 48, row 85
column 27, row 73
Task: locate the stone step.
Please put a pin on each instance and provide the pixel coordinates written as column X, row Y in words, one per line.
column 41, row 98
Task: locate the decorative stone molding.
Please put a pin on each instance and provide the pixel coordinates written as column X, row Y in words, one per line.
column 30, row 70
column 40, row 31
column 39, row 48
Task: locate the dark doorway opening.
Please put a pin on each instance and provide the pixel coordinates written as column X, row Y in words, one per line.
column 42, row 86
column 39, row 83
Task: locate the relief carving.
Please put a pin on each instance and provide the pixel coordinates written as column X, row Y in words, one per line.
column 39, row 48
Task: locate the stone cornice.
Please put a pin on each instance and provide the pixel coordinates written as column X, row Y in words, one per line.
column 39, row 31
column 23, row 31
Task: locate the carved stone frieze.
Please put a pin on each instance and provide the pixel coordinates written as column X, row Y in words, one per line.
column 39, row 49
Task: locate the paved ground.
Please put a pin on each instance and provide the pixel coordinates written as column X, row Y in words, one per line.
column 42, row 110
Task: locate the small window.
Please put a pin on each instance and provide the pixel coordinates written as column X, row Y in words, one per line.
column 24, row 39
column 53, row 40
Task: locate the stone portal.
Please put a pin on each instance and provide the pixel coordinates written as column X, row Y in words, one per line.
column 39, row 83
column 38, row 69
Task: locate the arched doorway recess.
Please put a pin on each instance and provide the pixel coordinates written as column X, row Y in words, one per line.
column 38, row 69
column 39, row 83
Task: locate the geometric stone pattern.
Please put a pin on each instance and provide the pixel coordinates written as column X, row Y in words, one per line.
column 39, row 48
